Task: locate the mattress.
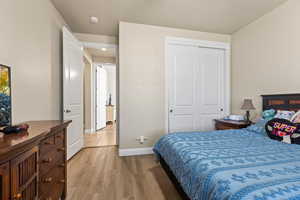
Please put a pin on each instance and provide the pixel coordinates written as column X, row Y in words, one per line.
column 232, row 164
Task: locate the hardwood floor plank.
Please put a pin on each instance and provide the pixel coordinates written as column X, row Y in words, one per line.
column 100, row 174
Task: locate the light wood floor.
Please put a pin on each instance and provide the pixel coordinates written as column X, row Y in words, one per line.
column 103, row 137
column 100, row 174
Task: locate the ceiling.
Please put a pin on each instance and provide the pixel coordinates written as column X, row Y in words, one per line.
column 110, row 52
column 219, row 16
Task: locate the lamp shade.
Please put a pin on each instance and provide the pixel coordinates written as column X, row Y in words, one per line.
column 247, row 105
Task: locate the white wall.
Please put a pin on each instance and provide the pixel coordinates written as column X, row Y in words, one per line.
column 265, row 56
column 30, row 42
column 142, row 79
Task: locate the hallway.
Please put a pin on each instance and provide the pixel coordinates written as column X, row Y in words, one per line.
column 103, row 137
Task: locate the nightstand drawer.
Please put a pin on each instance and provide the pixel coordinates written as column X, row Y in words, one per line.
column 220, row 126
column 227, row 124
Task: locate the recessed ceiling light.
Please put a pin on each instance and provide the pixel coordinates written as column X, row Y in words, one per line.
column 104, row 49
column 94, row 20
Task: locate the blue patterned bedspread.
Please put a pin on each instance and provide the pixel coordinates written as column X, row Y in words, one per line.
column 232, row 164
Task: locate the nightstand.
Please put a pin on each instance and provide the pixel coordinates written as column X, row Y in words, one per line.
column 221, row 124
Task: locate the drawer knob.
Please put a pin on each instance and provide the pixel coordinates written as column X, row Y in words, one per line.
column 48, row 180
column 62, row 181
column 47, row 143
column 48, row 160
column 59, row 136
column 61, row 149
column 61, row 165
column 18, row 196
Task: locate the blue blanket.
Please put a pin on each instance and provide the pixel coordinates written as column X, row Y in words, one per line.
column 232, row 164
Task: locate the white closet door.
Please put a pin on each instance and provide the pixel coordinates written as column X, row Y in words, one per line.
column 183, row 68
column 211, row 87
column 196, row 87
column 101, row 97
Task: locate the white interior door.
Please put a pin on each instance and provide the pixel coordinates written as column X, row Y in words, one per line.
column 101, row 93
column 73, row 91
column 196, row 87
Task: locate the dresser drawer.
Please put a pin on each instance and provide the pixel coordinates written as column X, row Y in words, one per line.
column 51, row 160
column 54, row 179
column 60, row 139
column 47, row 145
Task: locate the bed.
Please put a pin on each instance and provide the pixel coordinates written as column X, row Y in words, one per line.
column 233, row 164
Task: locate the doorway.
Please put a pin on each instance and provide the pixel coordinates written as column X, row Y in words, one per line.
column 100, row 96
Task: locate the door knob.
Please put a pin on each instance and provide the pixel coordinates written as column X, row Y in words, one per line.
column 221, row 109
column 18, row 196
column 67, row 111
column 171, row 110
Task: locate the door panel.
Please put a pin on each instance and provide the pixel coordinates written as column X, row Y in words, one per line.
column 207, row 122
column 182, row 68
column 73, row 91
column 196, row 87
column 101, row 97
column 212, row 83
column 4, row 181
column 24, row 175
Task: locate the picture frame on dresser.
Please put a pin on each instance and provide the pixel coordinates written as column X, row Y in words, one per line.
column 5, row 96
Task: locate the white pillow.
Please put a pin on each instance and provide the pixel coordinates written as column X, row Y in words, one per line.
column 296, row 117
column 284, row 114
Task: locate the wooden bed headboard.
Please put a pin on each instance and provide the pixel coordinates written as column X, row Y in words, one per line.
column 281, row 102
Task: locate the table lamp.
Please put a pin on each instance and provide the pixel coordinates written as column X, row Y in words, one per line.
column 247, row 105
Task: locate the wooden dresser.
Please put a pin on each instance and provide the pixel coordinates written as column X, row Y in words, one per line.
column 33, row 163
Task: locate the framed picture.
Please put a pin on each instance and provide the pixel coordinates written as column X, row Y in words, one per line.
column 5, row 95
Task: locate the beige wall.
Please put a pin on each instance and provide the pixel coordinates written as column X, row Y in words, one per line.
column 30, row 39
column 265, row 56
column 87, row 96
column 142, row 78
column 87, row 87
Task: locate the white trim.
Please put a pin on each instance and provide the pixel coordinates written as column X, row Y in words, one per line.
column 136, row 151
column 89, row 131
column 96, row 45
column 202, row 43
column 199, row 43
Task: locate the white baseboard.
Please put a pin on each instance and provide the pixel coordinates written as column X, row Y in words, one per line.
column 136, row 151
column 89, row 131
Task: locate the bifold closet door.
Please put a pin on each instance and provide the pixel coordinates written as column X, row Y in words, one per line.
column 211, row 90
column 183, row 75
column 196, row 87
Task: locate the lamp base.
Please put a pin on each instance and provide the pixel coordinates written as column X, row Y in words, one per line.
column 247, row 116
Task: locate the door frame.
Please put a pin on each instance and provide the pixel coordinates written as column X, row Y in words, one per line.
column 98, row 45
column 197, row 43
